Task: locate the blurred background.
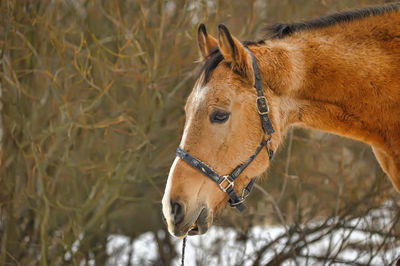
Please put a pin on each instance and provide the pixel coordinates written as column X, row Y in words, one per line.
column 92, row 96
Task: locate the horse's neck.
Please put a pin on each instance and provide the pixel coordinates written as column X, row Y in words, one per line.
column 331, row 84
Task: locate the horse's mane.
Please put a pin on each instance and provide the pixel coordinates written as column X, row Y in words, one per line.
column 281, row 30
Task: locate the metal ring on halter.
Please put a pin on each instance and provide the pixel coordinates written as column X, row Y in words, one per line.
column 234, row 204
column 245, row 194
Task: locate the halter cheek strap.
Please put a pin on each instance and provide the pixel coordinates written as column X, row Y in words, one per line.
column 226, row 182
column 262, row 104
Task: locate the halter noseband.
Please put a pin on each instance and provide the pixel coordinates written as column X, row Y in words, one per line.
column 226, row 182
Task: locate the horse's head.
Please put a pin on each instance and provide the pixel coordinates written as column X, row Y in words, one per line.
column 222, row 129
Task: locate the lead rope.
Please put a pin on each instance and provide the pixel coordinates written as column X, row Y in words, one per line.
column 183, row 252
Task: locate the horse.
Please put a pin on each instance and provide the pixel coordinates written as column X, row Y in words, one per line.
column 339, row 73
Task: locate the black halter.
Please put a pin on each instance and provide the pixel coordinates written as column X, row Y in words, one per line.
column 226, row 182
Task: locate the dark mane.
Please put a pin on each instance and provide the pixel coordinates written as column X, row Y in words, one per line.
column 278, row 31
column 214, row 58
column 282, row 30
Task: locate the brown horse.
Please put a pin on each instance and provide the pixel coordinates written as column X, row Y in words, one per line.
column 339, row 73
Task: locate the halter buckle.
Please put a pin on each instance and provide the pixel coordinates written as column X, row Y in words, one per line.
column 262, row 105
column 226, row 179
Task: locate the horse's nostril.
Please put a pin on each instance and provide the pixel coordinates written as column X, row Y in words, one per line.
column 178, row 212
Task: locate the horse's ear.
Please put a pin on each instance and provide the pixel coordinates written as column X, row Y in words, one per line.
column 234, row 51
column 207, row 43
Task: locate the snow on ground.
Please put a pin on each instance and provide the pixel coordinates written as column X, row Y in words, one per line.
column 221, row 246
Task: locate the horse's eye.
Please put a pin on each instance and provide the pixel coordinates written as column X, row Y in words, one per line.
column 219, row 116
